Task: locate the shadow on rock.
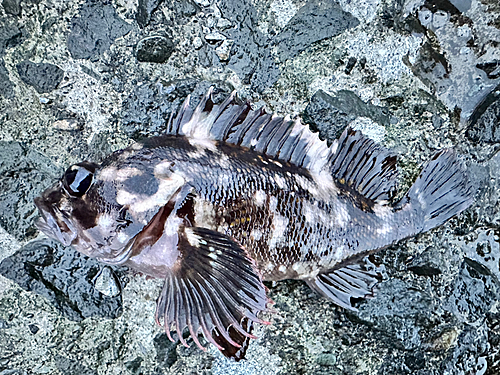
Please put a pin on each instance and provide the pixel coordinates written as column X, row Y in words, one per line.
column 67, row 279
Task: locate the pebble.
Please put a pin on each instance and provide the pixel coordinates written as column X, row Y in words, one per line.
column 106, row 283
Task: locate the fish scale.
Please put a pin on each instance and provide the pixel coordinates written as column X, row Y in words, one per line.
column 230, row 196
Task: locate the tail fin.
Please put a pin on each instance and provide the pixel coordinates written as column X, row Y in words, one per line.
column 442, row 190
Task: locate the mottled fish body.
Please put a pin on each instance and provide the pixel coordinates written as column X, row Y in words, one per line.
column 230, row 197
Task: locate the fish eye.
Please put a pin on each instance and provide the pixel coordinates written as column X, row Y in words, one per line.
column 78, row 179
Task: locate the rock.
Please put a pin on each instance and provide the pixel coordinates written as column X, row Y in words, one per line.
column 23, row 174
column 144, row 10
column 322, row 111
column 404, row 318
column 437, row 311
column 33, row 328
column 6, row 86
column 70, row 366
column 492, row 69
column 107, row 283
column 428, row 263
column 250, row 57
column 475, row 291
column 432, row 67
column 42, row 76
column 330, row 115
column 166, row 354
column 134, row 365
column 202, row 3
column 10, row 36
column 12, row 7
column 155, row 49
column 224, row 50
column 197, row 42
column 223, row 24
column 315, row 21
column 484, row 124
column 462, row 5
column 350, row 65
column 213, row 38
column 187, row 8
column 63, row 277
column 94, row 30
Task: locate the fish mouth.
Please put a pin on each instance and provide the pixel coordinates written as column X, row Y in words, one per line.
column 53, row 223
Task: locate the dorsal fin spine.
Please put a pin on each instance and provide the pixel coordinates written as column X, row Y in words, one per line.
column 252, row 133
column 267, row 133
column 237, row 136
column 183, row 112
column 280, row 137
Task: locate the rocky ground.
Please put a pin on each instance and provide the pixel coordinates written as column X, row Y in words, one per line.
column 80, row 79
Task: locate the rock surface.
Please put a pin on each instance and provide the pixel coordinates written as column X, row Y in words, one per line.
column 43, row 77
column 79, row 80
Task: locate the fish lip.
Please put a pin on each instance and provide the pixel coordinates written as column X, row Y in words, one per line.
column 48, row 224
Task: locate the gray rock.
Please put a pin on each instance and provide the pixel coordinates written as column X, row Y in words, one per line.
column 330, row 115
column 6, row 86
column 462, row 5
column 71, row 366
column 166, row 354
column 475, row 290
column 484, row 124
column 492, row 69
column 94, row 30
column 155, row 49
column 323, row 111
column 22, row 173
column 144, row 10
column 64, row 278
column 12, row 7
column 107, row 283
column 428, row 263
column 43, row 77
column 437, row 312
column 10, row 36
column 250, row 57
column 315, row 21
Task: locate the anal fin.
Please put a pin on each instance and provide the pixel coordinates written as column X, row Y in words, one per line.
column 215, row 289
column 354, row 281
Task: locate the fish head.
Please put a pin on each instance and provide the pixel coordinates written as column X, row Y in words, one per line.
column 112, row 211
column 57, row 204
column 78, row 211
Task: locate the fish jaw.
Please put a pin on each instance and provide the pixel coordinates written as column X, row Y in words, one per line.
column 53, row 222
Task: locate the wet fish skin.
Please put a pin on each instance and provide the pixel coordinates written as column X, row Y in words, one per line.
column 229, row 197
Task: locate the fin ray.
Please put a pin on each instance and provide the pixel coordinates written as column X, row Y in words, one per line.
column 365, row 167
column 441, row 191
column 352, row 281
column 213, row 288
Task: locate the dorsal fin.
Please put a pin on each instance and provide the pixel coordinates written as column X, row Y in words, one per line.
column 237, row 123
column 358, row 161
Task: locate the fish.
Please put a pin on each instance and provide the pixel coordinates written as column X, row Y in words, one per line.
column 229, row 197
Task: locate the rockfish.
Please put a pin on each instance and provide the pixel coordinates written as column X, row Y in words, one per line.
column 230, row 197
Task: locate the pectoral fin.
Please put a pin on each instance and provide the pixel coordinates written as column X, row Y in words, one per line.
column 352, row 281
column 214, row 288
